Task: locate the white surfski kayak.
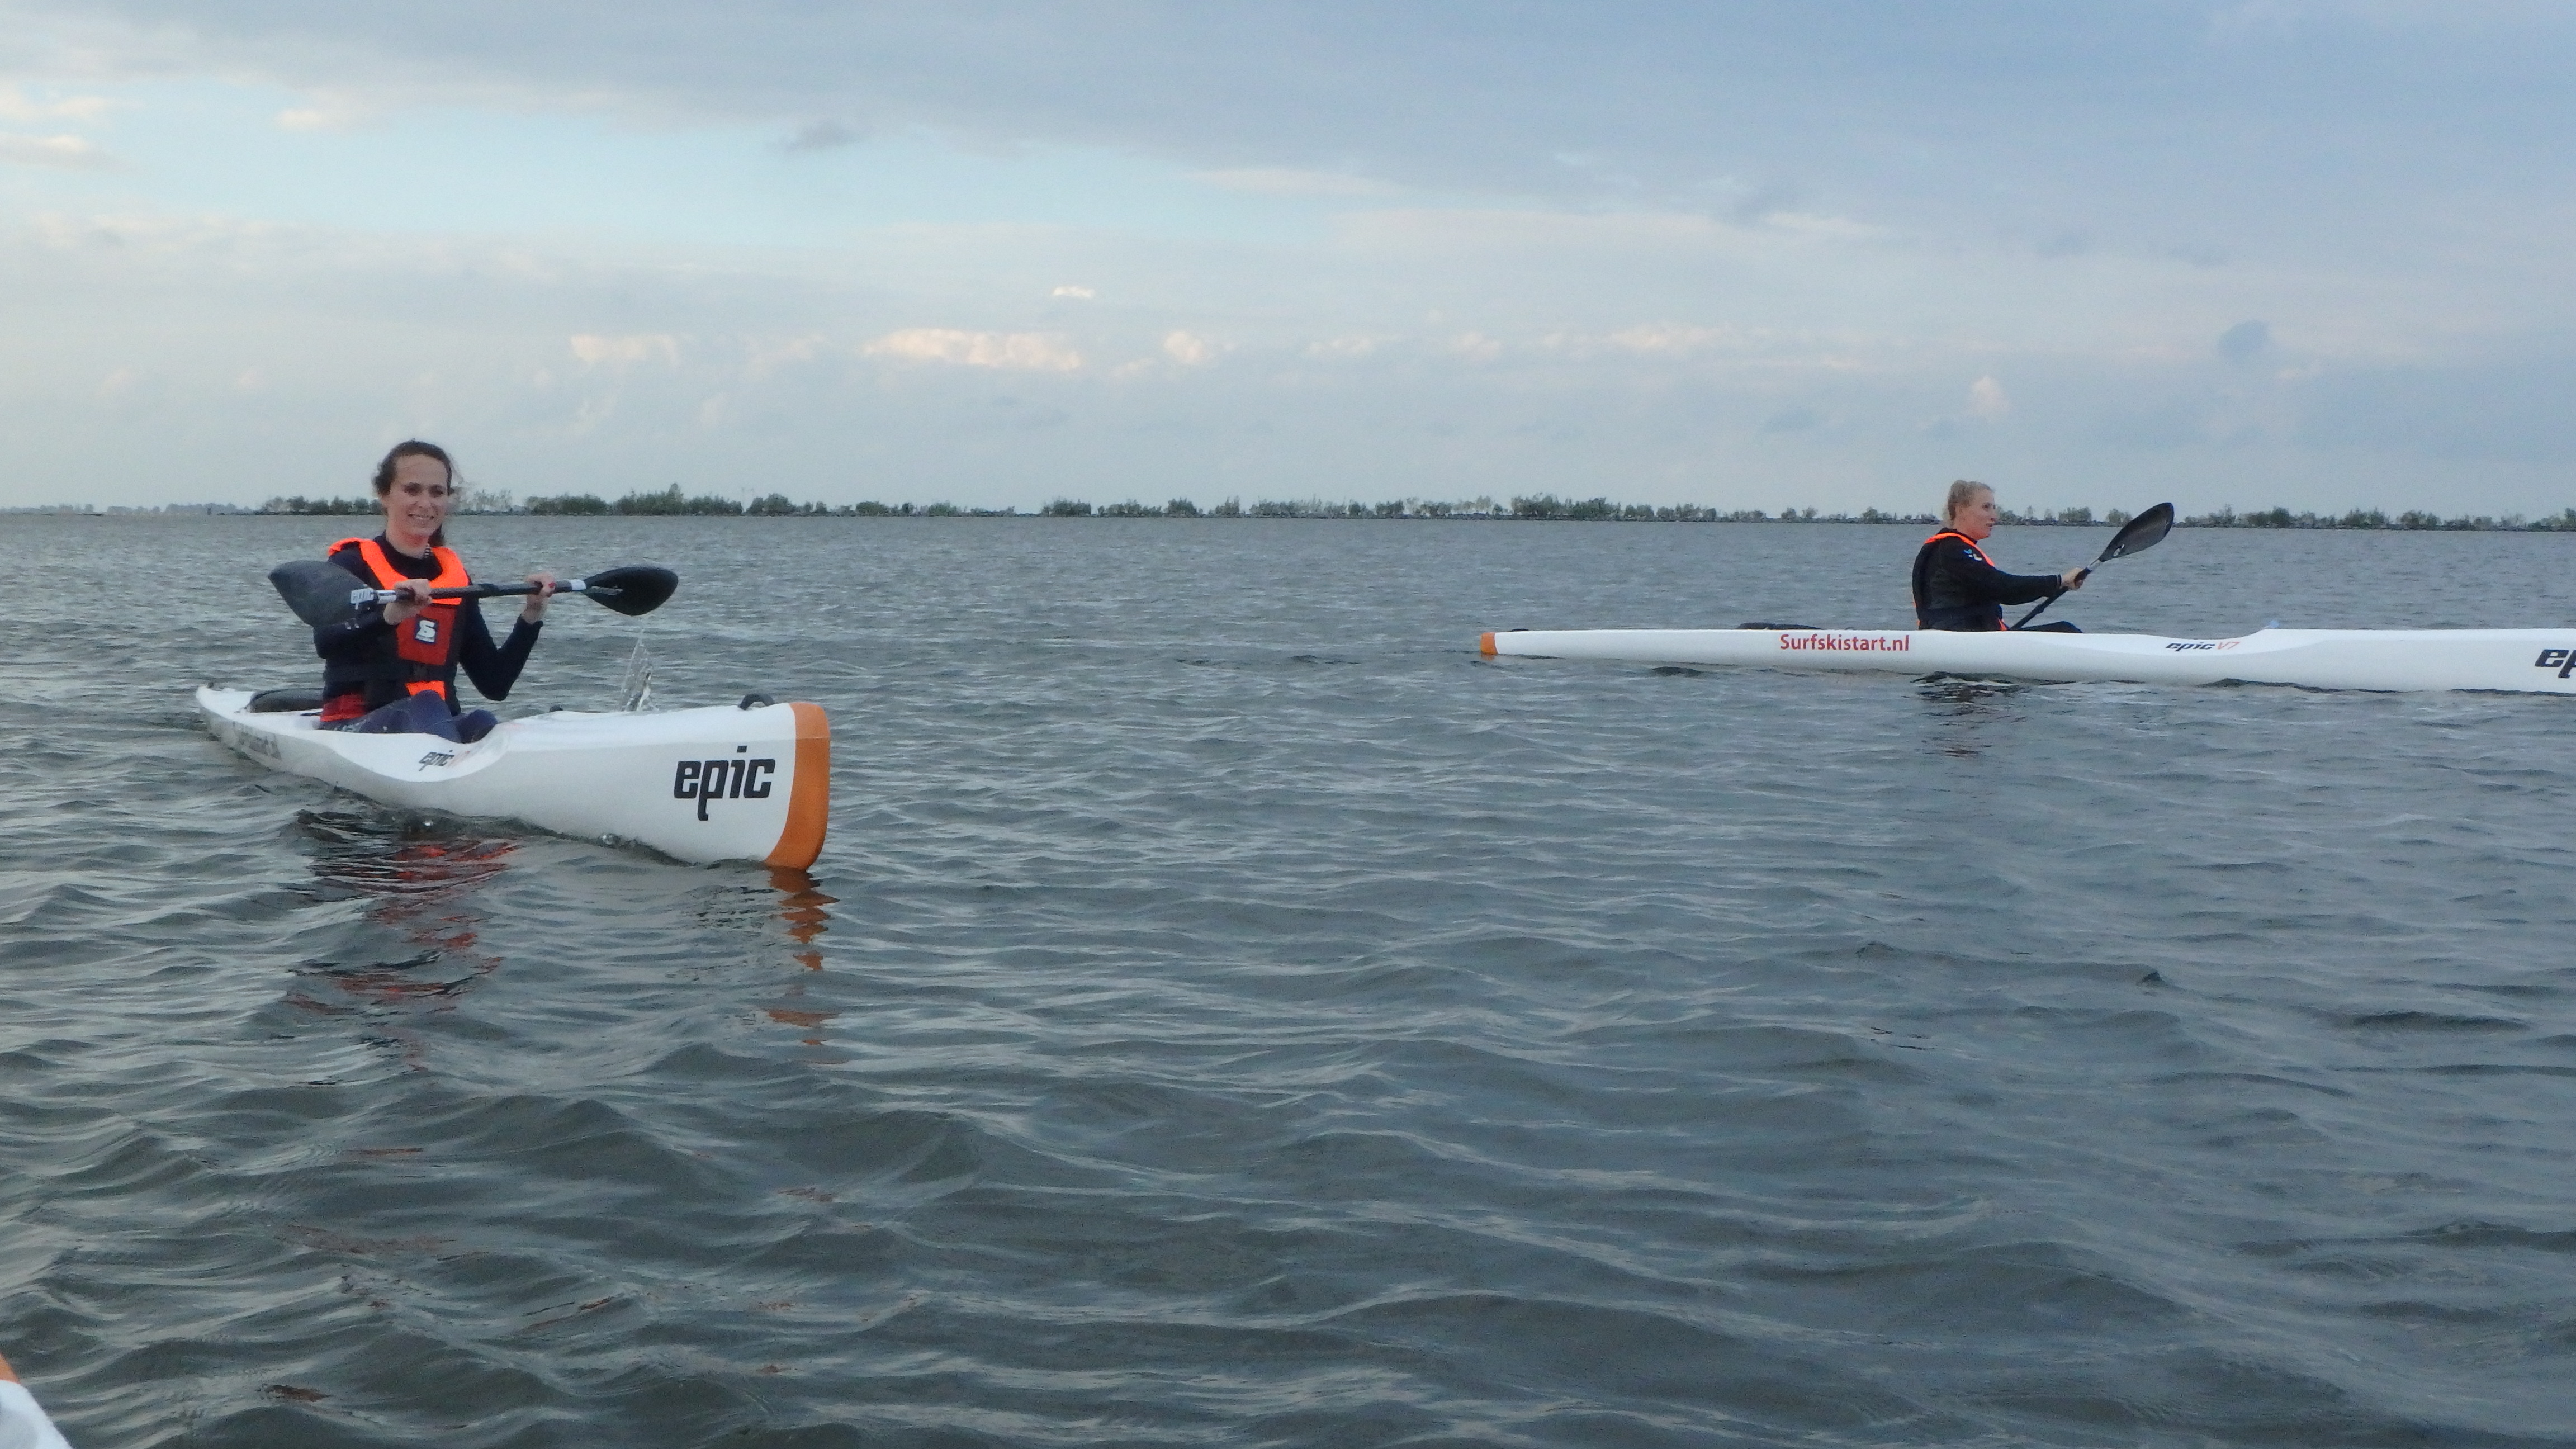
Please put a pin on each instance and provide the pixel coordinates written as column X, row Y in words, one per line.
column 2525, row 660
column 696, row 784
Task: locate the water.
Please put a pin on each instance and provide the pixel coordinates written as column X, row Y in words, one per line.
column 1229, row 1012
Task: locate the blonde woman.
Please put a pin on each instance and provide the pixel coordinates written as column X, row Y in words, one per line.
column 1957, row 587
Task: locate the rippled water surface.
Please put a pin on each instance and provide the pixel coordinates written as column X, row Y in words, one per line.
column 1230, row 1012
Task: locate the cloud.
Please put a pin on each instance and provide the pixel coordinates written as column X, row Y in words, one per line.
column 333, row 110
column 63, row 153
column 2483, row 412
column 1079, row 294
column 2144, row 110
column 763, row 357
column 594, row 350
column 1009, row 351
column 1679, row 341
column 1668, row 339
column 2245, row 341
column 2152, row 426
column 16, row 105
column 1291, row 181
column 1759, row 203
column 1986, row 399
column 1187, row 350
column 1472, row 230
column 822, row 136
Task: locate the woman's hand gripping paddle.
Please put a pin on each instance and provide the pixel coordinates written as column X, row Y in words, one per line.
column 321, row 592
column 2136, row 536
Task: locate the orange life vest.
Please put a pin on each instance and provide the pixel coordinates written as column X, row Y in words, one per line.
column 1963, row 538
column 425, row 642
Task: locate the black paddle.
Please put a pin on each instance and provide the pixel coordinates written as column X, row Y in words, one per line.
column 321, row 592
column 2135, row 536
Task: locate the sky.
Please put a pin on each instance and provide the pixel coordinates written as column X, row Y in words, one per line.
column 1743, row 255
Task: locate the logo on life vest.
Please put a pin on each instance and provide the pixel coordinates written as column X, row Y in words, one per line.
column 426, row 631
column 2562, row 660
column 738, row 778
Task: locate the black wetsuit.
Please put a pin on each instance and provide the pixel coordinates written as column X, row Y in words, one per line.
column 1955, row 587
column 355, row 653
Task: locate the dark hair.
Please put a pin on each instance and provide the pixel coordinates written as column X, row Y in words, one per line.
column 415, row 448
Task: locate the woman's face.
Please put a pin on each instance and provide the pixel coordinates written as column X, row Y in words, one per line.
column 1976, row 517
column 417, row 503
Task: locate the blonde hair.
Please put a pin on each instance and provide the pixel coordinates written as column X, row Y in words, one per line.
column 1962, row 493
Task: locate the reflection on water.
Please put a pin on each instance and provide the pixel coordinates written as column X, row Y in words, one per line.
column 418, row 876
column 1962, row 709
column 806, row 911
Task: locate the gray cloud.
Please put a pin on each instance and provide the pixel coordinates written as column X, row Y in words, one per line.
column 2152, row 427
column 1761, row 201
column 2245, row 341
column 822, row 136
column 2512, row 412
column 1992, row 104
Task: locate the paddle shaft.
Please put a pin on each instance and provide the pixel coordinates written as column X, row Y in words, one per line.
column 2081, row 575
column 320, row 594
column 360, row 598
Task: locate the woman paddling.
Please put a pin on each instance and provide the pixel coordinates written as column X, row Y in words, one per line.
column 1957, row 587
column 392, row 670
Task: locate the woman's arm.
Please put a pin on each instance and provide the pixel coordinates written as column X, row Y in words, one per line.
column 1980, row 582
column 493, row 668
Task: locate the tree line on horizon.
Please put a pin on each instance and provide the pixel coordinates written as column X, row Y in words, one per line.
column 1541, row 507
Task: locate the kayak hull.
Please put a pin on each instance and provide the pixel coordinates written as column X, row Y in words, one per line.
column 2533, row 661
column 705, row 785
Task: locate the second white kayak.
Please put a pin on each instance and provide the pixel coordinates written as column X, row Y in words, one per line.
column 711, row 784
column 2539, row 661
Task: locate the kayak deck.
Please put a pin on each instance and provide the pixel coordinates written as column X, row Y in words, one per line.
column 711, row 784
column 2539, row 661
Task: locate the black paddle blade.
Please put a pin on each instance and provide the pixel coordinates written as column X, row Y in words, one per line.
column 317, row 590
column 633, row 589
column 2140, row 533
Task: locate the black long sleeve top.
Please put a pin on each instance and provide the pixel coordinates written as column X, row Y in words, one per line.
column 1956, row 587
column 355, row 642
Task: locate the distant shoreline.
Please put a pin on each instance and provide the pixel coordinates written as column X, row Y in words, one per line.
column 672, row 503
